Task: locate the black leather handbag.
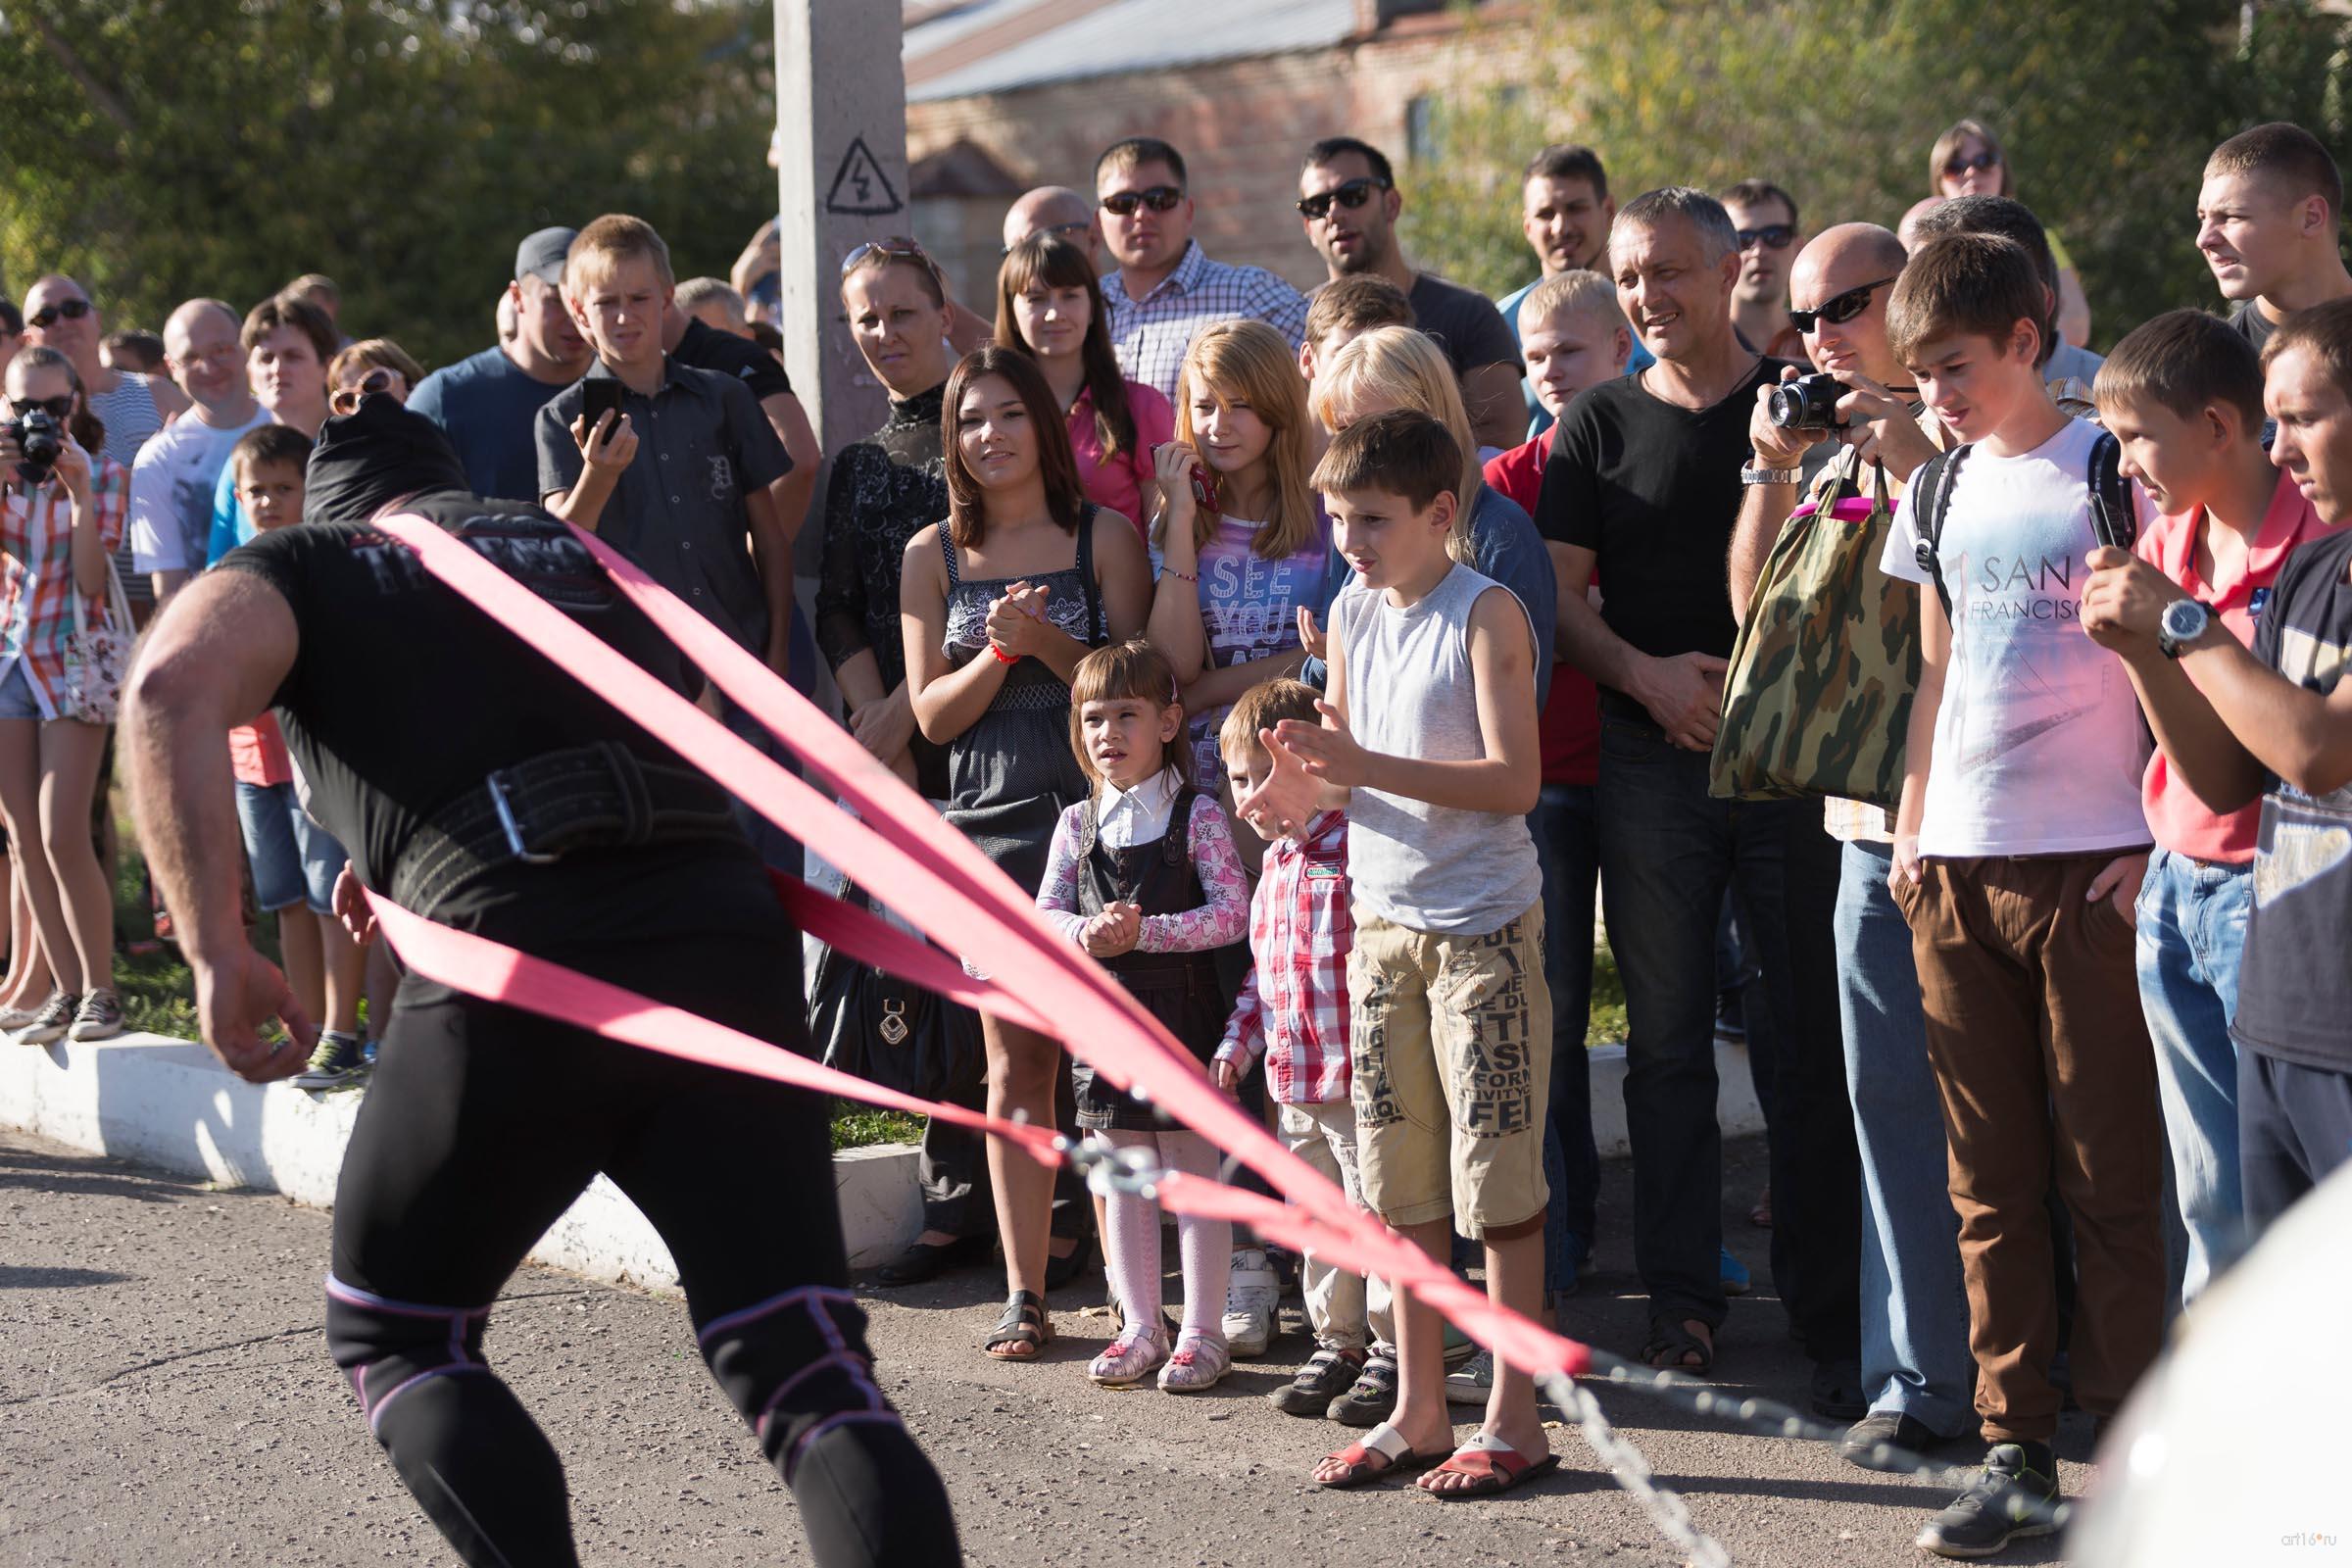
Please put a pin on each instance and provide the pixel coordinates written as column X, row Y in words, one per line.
column 887, row 1030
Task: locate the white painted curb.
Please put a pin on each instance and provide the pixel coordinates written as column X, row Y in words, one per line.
column 169, row 1102
column 1736, row 1107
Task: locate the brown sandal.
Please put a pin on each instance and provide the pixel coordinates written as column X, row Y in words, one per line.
column 1023, row 1332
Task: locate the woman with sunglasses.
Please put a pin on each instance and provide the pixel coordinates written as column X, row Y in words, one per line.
column 368, row 366
column 1049, row 307
column 57, row 531
column 1967, row 161
column 997, row 603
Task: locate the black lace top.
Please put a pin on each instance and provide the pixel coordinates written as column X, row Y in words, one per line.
column 884, row 491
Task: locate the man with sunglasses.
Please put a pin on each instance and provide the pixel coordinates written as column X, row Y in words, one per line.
column 1165, row 289
column 1055, row 210
column 1348, row 204
column 1765, row 218
column 1894, row 1258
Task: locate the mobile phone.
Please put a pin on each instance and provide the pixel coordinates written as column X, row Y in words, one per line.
column 599, row 395
column 1205, row 489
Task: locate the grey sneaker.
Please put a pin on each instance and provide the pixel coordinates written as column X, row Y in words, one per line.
column 98, row 1017
column 53, row 1020
column 335, row 1064
column 1474, row 1382
column 2015, row 1495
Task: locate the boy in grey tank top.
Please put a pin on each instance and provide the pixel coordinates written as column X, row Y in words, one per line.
column 1428, row 742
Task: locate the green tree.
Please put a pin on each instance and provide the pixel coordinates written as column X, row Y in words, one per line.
column 2107, row 113
column 160, row 149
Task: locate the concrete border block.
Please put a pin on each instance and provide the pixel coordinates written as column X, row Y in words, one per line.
column 170, row 1103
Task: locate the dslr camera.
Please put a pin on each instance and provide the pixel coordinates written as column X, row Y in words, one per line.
column 1808, row 402
column 40, row 441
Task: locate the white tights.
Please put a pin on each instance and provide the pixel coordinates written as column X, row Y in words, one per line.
column 1203, row 1247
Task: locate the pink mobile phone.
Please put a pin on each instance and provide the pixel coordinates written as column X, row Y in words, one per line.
column 1205, row 489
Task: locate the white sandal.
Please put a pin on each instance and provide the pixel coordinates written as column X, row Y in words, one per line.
column 1130, row 1359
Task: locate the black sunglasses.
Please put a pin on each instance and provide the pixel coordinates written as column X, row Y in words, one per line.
column 1772, row 236
column 59, row 408
column 1352, row 195
column 1068, row 231
column 1956, row 166
column 47, row 316
column 1844, row 307
column 1159, row 197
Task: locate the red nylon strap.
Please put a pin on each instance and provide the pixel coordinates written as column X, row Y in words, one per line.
column 945, row 887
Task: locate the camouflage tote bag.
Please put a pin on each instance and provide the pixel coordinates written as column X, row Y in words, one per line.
column 1818, row 695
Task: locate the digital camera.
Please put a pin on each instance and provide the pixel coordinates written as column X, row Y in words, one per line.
column 1808, row 402
column 40, row 440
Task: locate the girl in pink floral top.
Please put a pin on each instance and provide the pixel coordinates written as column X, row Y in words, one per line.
column 1143, row 875
column 55, row 540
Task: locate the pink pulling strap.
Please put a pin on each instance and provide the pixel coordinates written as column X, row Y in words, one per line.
column 938, row 879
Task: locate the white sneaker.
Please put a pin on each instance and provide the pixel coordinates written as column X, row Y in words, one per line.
column 1250, row 1293
column 1474, row 1382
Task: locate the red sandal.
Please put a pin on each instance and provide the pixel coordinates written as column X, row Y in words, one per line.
column 1380, row 1453
column 1492, row 1465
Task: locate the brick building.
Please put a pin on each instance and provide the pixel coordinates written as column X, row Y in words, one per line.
column 1006, row 94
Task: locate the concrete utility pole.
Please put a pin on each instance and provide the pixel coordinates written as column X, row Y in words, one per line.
column 840, row 180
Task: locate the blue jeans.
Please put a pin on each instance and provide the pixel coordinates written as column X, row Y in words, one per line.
column 2192, row 929
column 1568, row 848
column 1667, row 853
column 1915, row 1355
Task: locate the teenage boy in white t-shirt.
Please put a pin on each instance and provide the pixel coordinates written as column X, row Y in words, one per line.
column 2019, row 847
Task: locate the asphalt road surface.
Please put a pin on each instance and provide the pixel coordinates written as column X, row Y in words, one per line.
column 166, row 1397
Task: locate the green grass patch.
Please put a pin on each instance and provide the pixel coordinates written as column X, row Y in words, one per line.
column 1606, row 1026
column 855, row 1126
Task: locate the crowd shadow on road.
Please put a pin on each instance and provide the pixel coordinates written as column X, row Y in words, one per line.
column 13, row 1278
column 95, row 1174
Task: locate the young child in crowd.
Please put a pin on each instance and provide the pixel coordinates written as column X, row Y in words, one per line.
column 2184, row 396
column 1428, row 743
column 1292, row 1014
column 295, row 862
column 1573, row 335
column 2018, row 848
column 1344, row 310
column 1143, row 875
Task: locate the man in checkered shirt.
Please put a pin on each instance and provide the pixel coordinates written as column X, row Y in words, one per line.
column 1292, row 1011
column 1166, row 288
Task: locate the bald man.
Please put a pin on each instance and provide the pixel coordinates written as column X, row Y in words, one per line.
column 1061, row 210
column 171, row 483
column 1915, row 1372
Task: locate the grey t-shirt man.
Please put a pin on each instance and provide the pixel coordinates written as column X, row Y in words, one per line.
column 702, row 444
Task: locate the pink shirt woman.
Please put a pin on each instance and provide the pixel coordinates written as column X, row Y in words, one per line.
column 1120, row 479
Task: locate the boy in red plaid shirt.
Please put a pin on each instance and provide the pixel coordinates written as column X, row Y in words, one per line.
column 1292, row 1011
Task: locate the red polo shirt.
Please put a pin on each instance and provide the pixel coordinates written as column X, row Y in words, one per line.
column 2180, row 821
column 1568, row 734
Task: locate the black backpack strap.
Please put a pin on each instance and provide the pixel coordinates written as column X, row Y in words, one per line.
column 2111, row 518
column 1933, row 484
column 1176, row 845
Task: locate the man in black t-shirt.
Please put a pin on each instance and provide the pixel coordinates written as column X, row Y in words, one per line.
column 1348, row 204
column 2274, row 721
column 480, row 785
column 1643, row 487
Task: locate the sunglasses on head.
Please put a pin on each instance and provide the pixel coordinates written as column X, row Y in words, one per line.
column 1843, row 308
column 1772, row 236
column 48, row 315
column 1159, row 197
column 1957, row 167
column 1350, row 195
column 897, row 247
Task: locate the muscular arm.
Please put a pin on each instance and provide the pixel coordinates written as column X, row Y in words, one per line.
column 2300, row 735
column 1497, row 405
column 210, row 660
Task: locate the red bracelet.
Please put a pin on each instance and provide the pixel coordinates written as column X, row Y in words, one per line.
column 1004, row 658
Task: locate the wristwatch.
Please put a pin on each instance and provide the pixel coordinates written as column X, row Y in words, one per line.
column 2184, row 621
column 1751, row 474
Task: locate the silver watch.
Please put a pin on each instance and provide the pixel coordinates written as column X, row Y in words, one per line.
column 2184, row 621
column 1752, row 474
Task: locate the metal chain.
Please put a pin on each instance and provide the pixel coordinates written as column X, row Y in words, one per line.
column 1631, row 1471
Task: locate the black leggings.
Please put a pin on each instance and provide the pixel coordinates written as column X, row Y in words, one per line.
column 481, row 1126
